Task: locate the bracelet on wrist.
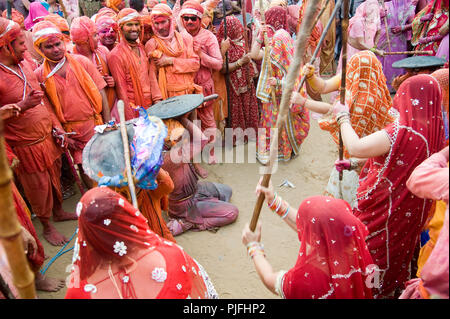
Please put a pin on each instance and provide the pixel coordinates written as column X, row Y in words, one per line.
column 286, row 213
column 254, row 247
column 273, row 200
column 353, row 164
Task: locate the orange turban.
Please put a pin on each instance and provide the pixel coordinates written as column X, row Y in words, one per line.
column 105, row 12
column 42, row 31
column 16, row 16
column 9, row 31
column 152, row 3
column 106, row 22
column 192, row 7
column 113, row 4
column 59, row 21
column 146, row 20
column 161, row 9
column 126, row 15
column 82, row 30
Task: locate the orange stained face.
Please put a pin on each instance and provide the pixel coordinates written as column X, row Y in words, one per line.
column 192, row 23
column 95, row 39
column 131, row 30
column 19, row 47
column 54, row 48
column 162, row 26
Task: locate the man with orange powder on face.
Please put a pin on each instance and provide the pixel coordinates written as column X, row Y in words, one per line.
column 30, row 133
column 129, row 66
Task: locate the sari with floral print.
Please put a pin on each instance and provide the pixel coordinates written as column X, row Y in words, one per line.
column 118, row 256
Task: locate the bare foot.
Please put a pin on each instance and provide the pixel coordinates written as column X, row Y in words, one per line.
column 53, row 236
column 203, row 173
column 48, row 284
column 61, row 215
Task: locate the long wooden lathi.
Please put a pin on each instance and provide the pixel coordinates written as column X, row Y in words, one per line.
column 291, row 77
column 343, row 75
column 10, row 230
column 126, row 152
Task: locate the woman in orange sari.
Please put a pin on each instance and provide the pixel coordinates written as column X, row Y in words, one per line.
column 369, row 101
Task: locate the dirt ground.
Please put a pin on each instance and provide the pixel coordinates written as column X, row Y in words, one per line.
column 222, row 254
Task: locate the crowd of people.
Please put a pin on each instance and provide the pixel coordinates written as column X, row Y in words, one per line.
column 380, row 230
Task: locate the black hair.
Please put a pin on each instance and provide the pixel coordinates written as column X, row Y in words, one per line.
column 137, row 5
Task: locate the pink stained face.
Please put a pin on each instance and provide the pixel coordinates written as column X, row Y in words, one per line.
column 192, row 24
column 19, row 47
column 54, row 48
column 161, row 26
column 107, row 36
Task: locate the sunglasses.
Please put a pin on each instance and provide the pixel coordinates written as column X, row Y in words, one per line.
column 193, row 19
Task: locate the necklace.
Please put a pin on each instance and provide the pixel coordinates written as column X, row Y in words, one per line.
column 23, row 78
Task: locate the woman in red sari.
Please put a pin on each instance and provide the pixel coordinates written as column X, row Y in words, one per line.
column 117, row 256
column 244, row 105
column 333, row 261
column 394, row 216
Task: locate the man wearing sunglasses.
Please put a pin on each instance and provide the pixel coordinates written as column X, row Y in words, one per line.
column 207, row 48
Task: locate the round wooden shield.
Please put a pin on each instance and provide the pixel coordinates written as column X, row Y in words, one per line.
column 176, row 106
column 417, row 62
column 103, row 154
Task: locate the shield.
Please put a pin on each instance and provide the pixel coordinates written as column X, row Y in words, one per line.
column 178, row 105
column 103, row 154
column 419, row 62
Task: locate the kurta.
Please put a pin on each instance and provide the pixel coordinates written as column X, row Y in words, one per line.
column 135, row 85
column 176, row 79
column 76, row 107
column 30, row 137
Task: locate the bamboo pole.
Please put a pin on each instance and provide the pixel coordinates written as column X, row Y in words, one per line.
column 126, row 152
column 343, row 74
column 63, row 8
column 408, row 52
column 388, row 40
column 291, row 77
column 227, row 75
column 321, row 12
column 9, row 9
column 267, row 53
column 10, row 230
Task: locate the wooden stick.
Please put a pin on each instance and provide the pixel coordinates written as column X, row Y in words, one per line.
column 74, row 172
column 388, row 40
column 267, row 53
column 126, row 151
column 63, row 8
column 321, row 12
column 10, row 230
column 291, row 77
column 227, row 75
column 9, row 9
column 343, row 74
column 408, row 52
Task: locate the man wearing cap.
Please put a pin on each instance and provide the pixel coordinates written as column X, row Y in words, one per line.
column 74, row 87
column 171, row 54
column 30, row 133
column 85, row 37
column 129, row 66
column 207, row 48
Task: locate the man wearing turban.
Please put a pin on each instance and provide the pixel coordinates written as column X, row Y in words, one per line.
column 30, row 133
column 74, row 87
column 129, row 66
column 207, row 48
column 108, row 31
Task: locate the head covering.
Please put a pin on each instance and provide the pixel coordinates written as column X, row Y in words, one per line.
column 334, row 260
column 106, row 22
column 82, row 31
column 105, row 12
column 367, row 97
column 9, row 31
column 42, row 31
column 276, row 18
column 175, row 130
column 441, row 76
column 126, row 15
column 16, row 16
column 110, row 230
column 60, row 22
column 384, row 203
column 163, row 11
column 35, row 14
column 113, row 4
column 192, row 7
column 152, row 3
column 278, row 3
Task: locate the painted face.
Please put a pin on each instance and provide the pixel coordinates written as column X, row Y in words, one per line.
column 95, row 40
column 19, row 47
column 131, row 30
column 192, row 24
column 107, row 36
column 162, row 26
column 54, row 48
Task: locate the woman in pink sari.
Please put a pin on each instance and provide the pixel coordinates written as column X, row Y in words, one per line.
column 394, row 216
column 37, row 12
